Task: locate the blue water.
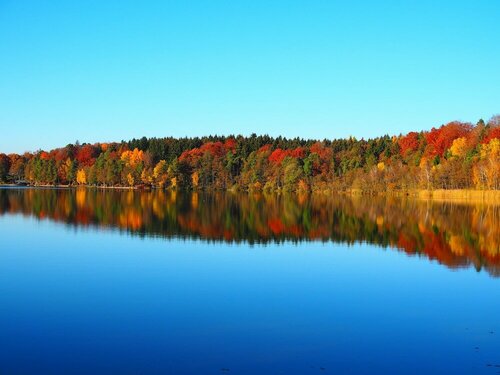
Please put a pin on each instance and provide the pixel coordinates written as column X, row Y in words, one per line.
column 91, row 301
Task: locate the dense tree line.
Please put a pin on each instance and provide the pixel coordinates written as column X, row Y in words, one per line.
column 454, row 156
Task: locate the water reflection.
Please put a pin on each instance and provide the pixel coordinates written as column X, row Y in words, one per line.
column 456, row 235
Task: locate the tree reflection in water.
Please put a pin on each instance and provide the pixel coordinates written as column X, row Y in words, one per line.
column 455, row 235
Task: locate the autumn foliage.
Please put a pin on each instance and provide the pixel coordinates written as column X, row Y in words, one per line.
column 439, row 140
column 408, row 143
column 456, row 155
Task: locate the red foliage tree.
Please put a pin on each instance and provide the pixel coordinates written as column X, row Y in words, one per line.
column 278, row 155
column 44, row 155
column 492, row 134
column 439, row 140
column 216, row 149
column 325, row 153
column 298, row 152
column 408, row 143
column 86, row 155
column 230, row 144
column 61, row 154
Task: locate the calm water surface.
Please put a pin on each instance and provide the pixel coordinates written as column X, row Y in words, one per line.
column 110, row 282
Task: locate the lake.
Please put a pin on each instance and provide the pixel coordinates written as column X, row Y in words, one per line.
column 163, row 282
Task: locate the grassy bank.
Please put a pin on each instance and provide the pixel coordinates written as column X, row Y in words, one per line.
column 473, row 196
column 438, row 195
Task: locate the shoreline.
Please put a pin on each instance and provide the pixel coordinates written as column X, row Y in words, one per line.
column 438, row 195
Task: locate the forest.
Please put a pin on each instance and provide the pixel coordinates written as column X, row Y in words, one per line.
column 456, row 155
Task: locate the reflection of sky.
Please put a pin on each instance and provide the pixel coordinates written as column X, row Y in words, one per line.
column 99, row 302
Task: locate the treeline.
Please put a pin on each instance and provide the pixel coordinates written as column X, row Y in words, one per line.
column 454, row 156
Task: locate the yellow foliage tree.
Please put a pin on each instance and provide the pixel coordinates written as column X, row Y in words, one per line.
column 146, row 176
column 132, row 158
column 426, row 170
column 160, row 172
column 81, row 177
column 130, row 179
column 459, row 147
column 490, row 155
column 491, row 150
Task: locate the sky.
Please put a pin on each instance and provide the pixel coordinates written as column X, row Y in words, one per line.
column 100, row 71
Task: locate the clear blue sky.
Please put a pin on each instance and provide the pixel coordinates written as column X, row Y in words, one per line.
column 113, row 70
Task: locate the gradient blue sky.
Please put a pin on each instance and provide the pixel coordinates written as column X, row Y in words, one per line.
column 113, row 70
